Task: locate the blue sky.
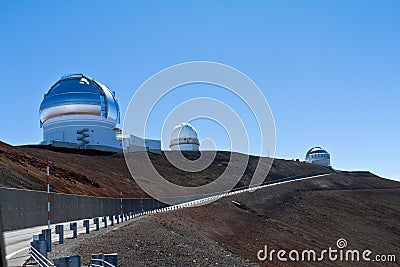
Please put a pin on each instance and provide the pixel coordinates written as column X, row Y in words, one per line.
column 330, row 70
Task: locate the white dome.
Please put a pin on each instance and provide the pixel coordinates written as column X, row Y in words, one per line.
column 79, row 94
column 184, row 137
column 318, row 155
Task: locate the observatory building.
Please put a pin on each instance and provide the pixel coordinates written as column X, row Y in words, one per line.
column 79, row 112
column 184, row 137
column 319, row 156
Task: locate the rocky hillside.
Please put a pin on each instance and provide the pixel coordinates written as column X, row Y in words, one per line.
column 106, row 174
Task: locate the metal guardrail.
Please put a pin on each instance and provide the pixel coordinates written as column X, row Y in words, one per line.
column 39, row 258
column 103, row 264
column 109, row 260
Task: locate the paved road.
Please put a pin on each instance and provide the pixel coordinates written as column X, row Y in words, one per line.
column 17, row 242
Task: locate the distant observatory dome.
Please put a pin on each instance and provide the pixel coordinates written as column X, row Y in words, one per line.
column 79, row 110
column 184, row 137
column 319, row 156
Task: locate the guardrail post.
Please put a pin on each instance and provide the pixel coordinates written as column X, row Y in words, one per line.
column 96, row 222
column 117, row 218
column 74, row 261
column 86, row 225
column 104, row 220
column 61, row 262
column 47, row 236
column 73, row 227
column 60, row 232
column 111, row 220
column 97, row 259
column 111, row 259
column 35, row 242
column 42, row 245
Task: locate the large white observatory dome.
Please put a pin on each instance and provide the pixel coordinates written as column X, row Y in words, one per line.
column 319, row 156
column 79, row 110
column 184, row 137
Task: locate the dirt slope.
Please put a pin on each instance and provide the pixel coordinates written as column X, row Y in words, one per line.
column 106, row 174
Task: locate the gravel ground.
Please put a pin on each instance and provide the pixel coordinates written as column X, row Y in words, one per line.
column 152, row 240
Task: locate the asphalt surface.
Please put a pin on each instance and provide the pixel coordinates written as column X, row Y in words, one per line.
column 17, row 242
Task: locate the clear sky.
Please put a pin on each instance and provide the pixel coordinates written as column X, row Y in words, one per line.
column 330, row 70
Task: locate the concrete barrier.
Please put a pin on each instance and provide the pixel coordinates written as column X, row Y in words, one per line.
column 26, row 208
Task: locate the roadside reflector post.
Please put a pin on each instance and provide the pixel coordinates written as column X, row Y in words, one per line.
column 48, row 192
column 121, row 207
column 96, row 222
column 86, row 225
column 60, row 232
column 73, row 227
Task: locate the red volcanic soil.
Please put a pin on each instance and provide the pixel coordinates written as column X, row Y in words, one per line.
column 106, row 174
column 84, row 173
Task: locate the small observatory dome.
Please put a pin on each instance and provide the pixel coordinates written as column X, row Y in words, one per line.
column 184, row 137
column 319, row 156
column 79, row 110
